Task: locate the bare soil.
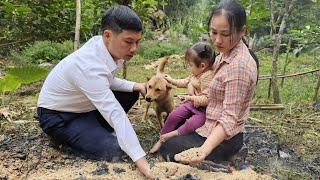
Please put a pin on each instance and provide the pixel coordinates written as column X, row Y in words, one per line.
column 27, row 153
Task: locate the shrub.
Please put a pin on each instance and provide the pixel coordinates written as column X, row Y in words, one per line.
column 43, row 51
column 154, row 50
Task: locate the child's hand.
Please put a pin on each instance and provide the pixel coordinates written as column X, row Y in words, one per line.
column 184, row 99
column 168, row 78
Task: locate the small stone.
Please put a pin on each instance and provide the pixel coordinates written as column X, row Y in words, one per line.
column 317, row 161
column 45, row 65
column 190, row 176
column 317, row 107
column 80, row 177
column 284, row 155
column 21, row 156
column 2, row 137
column 118, row 170
column 3, row 177
column 49, row 165
column 103, row 169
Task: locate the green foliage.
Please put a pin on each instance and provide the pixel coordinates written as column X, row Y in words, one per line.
column 152, row 50
column 43, row 51
column 197, row 22
column 308, row 37
column 91, row 14
column 298, row 89
column 149, row 11
column 28, row 74
column 18, row 76
column 36, row 19
column 258, row 15
column 9, row 84
column 32, row 20
column 176, row 10
column 192, row 24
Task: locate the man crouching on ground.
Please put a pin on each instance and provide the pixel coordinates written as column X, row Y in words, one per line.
column 82, row 104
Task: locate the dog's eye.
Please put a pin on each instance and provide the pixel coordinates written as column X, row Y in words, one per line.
column 158, row 89
column 150, row 86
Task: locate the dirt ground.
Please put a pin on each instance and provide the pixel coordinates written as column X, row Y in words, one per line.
column 27, row 153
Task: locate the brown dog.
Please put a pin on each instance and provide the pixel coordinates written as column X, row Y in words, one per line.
column 160, row 92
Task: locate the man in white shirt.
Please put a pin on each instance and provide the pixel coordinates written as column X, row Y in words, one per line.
column 82, row 104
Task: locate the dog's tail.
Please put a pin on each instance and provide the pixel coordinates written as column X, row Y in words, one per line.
column 161, row 65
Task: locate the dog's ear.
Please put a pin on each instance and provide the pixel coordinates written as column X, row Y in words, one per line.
column 148, row 78
column 170, row 86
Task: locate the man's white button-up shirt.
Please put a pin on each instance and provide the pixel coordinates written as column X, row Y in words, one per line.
column 83, row 81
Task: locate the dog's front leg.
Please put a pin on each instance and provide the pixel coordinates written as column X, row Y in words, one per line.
column 160, row 119
column 144, row 117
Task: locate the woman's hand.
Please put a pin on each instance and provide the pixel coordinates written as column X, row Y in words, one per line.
column 191, row 156
column 196, row 155
column 141, row 87
column 144, row 167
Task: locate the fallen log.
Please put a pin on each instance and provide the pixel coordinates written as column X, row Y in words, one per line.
column 257, row 107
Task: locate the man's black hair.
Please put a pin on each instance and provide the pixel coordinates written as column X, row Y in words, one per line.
column 121, row 18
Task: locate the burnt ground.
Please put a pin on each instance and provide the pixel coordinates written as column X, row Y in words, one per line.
column 24, row 148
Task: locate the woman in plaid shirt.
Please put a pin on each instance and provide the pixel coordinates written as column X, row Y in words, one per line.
column 235, row 75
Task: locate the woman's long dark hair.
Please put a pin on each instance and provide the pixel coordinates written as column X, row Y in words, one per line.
column 237, row 19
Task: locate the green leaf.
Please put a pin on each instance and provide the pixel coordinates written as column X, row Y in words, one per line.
column 9, row 84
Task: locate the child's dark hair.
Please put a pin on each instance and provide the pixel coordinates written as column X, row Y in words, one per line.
column 237, row 19
column 202, row 52
column 119, row 18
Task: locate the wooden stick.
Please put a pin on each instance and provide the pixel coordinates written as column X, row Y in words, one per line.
column 262, row 77
column 10, row 43
column 257, row 107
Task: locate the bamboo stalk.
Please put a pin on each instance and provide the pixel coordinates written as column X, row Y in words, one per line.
column 263, row 77
column 76, row 44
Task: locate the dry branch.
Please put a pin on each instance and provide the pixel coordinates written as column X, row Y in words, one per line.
column 268, row 77
column 256, row 107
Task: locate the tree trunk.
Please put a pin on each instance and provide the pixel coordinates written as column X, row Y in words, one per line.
column 272, row 28
column 76, row 44
column 249, row 9
column 287, row 61
column 315, row 98
column 252, row 42
column 276, row 49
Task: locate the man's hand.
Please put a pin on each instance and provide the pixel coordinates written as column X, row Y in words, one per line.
column 144, row 167
column 141, row 87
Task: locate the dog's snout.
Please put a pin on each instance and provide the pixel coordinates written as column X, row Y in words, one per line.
column 148, row 98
